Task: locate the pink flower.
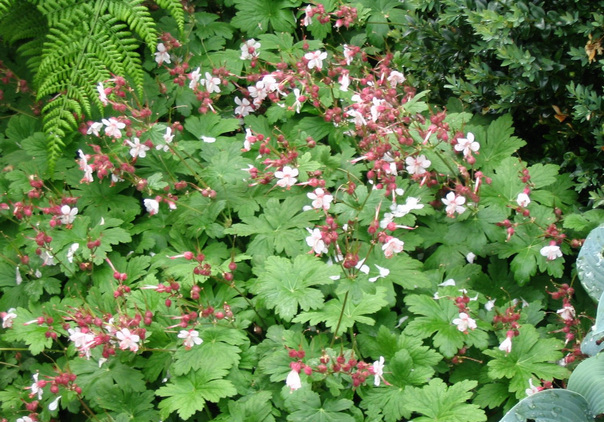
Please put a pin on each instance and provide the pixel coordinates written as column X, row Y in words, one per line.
column 396, row 78
column 85, row 167
column 551, row 252
column 464, row 322
column 417, row 165
column 128, row 340
column 113, row 127
column 307, row 16
column 567, row 313
column 315, row 59
column 190, row 338
column 348, row 54
column 162, row 54
column 467, row 145
column 102, row 95
column 454, row 204
column 287, row 177
column 392, row 246
column 315, row 241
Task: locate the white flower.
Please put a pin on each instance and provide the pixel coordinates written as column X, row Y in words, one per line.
column 449, row 282
column 315, row 241
column 151, row 205
column 307, row 19
column 25, row 419
column 287, row 177
column 85, row 167
column 208, row 139
column 95, row 129
column 54, row 404
column 194, row 76
column 384, row 272
column 470, row 257
column 567, row 312
column 464, row 322
column 127, row 340
column 136, row 148
column 190, row 338
column 71, row 251
column 113, row 127
column 344, row 81
column 417, row 165
column 249, row 49
column 293, row 380
column 551, row 252
column 378, row 371
column 523, row 200
column 162, row 54
column 168, row 138
column 102, row 96
column 348, row 54
column 244, row 107
column 489, row 305
column 396, row 78
column 315, row 59
column 392, row 246
column 18, row 277
column 297, row 103
column 68, row 214
column 506, row 345
column 467, row 145
column 82, row 341
column 321, row 199
column 35, row 388
column 8, row 317
column 211, row 83
column 47, row 258
column 532, row 389
column 454, row 204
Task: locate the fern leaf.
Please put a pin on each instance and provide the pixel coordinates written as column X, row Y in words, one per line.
column 20, row 22
column 176, row 10
column 137, row 17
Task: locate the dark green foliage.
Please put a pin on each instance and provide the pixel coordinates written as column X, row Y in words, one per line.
column 71, row 46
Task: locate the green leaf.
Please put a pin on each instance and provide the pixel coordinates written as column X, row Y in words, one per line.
column 554, row 405
column 305, row 405
column 590, row 263
column 531, row 356
column 26, row 329
column 498, row 144
column 188, row 394
column 588, row 380
column 259, row 16
column 287, row 285
column 387, row 403
column 437, row 402
column 345, row 313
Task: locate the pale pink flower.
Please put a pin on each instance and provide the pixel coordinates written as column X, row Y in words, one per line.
column 464, row 322
column 82, row 341
column 315, row 241
column 127, row 339
column 307, row 20
column 454, row 204
column 344, row 81
column 95, row 128
column 392, row 246
column 190, row 338
column 113, row 127
column 87, row 169
column 68, row 214
column 417, row 165
column 137, row 149
column 321, row 199
column 249, row 140
column 18, row 277
column 102, row 95
column 168, row 138
column 348, row 54
column 194, row 78
column 8, row 318
column 211, row 83
column 25, row 419
column 551, row 252
column 523, row 200
column 567, row 313
column 162, row 54
column 378, row 371
column 293, row 380
column 297, row 103
column 35, row 388
column 47, row 258
column 467, row 145
column 315, row 59
column 396, row 78
column 244, row 107
column 506, row 345
column 249, row 49
column 71, row 252
column 54, row 404
column 287, row 177
column 532, row 388
column 151, row 205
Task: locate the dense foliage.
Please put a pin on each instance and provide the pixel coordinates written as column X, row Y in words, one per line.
column 281, row 226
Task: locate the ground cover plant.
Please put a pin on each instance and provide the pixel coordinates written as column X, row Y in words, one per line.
column 275, row 225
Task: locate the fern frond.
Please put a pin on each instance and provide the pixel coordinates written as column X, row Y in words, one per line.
column 137, row 17
column 5, row 6
column 176, row 10
column 20, row 22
